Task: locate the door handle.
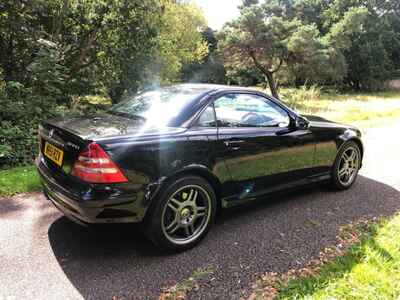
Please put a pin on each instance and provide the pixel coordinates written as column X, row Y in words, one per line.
column 233, row 142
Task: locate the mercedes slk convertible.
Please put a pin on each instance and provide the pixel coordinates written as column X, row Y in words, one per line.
column 171, row 158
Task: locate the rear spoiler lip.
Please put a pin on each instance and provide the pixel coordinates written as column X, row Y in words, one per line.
column 128, row 137
column 66, row 129
column 80, row 141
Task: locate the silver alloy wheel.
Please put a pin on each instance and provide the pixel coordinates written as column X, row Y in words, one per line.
column 186, row 214
column 348, row 166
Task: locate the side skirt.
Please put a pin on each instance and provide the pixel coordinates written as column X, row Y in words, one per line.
column 237, row 200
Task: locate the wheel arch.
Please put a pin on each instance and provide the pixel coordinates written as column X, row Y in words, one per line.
column 359, row 143
column 356, row 140
column 201, row 172
column 351, row 135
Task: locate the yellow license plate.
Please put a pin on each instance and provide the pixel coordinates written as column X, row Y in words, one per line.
column 53, row 153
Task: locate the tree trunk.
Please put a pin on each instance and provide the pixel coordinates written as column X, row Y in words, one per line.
column 298, row 82
column 269, row 74
column 272, row 84
column 115, row 94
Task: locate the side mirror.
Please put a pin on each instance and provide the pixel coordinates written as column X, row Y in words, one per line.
column 302, row 123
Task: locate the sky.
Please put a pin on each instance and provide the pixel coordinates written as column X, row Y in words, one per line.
column 217, row 12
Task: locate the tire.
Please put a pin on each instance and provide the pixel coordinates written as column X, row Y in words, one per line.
column 341, row 179
column 182, row 215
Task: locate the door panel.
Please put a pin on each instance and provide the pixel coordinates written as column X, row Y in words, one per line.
column 259, row 150
column 260, row 160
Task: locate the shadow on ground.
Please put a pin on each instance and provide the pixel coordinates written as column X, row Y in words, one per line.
column 9, row 207
column 277, row 234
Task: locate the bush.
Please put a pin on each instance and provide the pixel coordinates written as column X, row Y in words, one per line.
column 20, row 115
column 21, row 111
column 295, row 97
column 48, row 94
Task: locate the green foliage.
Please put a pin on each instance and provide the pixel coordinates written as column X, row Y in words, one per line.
column 19, row 180
column 368, row 34
column 91, row 47
column 54, row 53
column 245, row 77
column 271, row 38
column 253, row 40
column 210, row 69
column 124, row 43
column 310, row 59
column 294, row 97
column 20, row 114
column 47, row 76
column 181, row 41
column 341, row 32
column 348, row 43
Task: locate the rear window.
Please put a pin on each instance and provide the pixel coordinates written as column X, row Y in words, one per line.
column 159, row 107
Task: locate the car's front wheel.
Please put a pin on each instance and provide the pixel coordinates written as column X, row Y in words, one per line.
column 346, row 166
column 183, row 214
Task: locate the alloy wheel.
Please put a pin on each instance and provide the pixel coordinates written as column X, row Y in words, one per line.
column 186, row 214
column 348, row 166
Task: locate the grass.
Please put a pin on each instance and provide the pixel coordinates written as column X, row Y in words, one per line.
column 18, row 180
column 369, row 269
column 361, row 109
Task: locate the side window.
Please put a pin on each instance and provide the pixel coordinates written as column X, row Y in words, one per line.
column 207, row 118
column 249, row 110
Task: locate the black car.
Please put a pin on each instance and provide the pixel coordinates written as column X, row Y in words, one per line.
column 170, row 158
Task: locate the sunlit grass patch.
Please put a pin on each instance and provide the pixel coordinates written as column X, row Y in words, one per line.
column 98, row 99
column 368, row 269
column 361, row 109
column 19, row 180
column 356, row 112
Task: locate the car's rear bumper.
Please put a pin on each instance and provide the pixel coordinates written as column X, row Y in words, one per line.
column 82, row 207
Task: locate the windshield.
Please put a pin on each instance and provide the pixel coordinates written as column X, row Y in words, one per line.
column 157, row 108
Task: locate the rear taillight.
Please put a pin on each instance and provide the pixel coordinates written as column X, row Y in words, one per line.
column 93, row 165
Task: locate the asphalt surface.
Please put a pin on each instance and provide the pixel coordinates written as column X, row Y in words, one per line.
column 45, row 256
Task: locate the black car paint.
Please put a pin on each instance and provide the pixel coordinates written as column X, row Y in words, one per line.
column 240, row 163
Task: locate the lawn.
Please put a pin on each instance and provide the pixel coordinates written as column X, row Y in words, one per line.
column 361, row 109
column 18, row 180
column 369, row 269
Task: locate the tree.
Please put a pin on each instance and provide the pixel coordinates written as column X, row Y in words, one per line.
column 364, row 34
column 180, row 41
column 372, row 54
column 125, row 47
column 317, row 58
column 112, row 47
column 102, row 45
column 258, row 40
column 279, row 38
column 210, row 69
column 20, row 28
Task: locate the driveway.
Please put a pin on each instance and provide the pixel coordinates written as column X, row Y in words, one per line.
column 45, row 256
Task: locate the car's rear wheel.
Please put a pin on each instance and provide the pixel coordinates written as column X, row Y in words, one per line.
column 183, row 214
column 346, row 166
